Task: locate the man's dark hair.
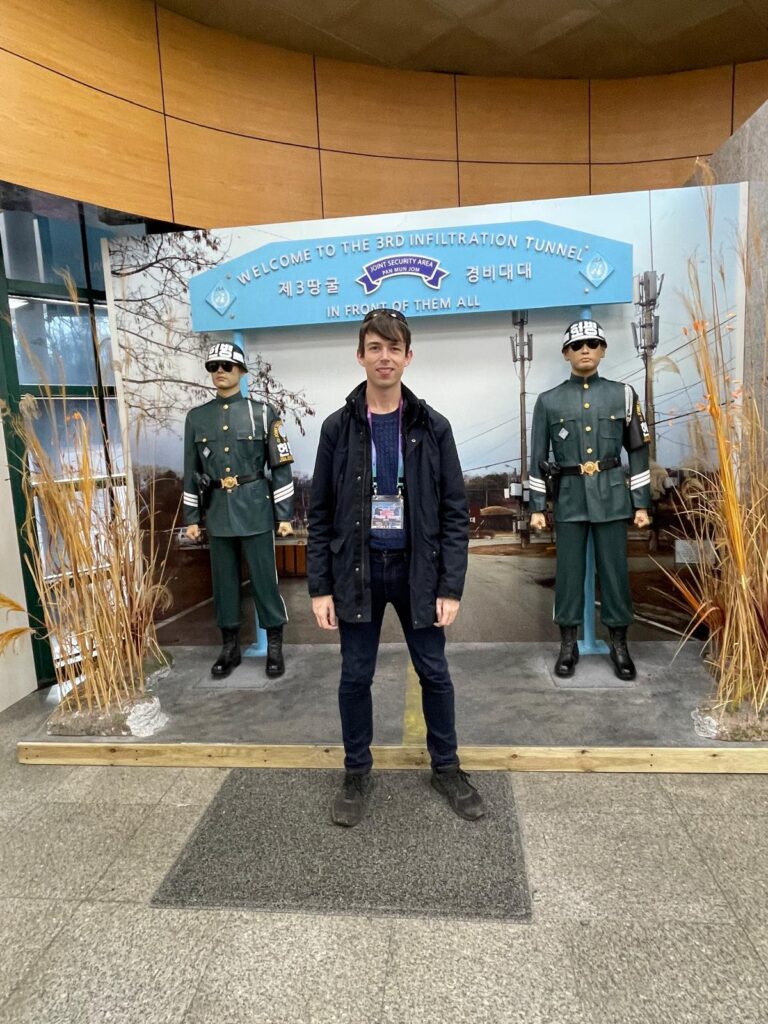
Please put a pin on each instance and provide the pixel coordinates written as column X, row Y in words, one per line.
column 388, row 323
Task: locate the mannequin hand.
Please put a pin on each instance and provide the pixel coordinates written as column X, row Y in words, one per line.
column 324, row 611
column 642, row 518
column 538, row 521
column 447, row 610
column 193, row 532
column 284, row 530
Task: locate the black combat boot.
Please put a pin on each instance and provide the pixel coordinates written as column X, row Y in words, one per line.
column 565, row 665
column 229, row 657
column 623, row 666
column 275, row 663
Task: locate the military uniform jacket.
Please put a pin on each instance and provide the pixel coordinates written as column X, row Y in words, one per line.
column 236, row 436
column 587, row 419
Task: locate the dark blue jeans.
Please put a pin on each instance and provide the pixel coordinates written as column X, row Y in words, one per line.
column 359, row 648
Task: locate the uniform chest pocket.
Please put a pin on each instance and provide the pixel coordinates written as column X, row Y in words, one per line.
column 205, row 441
column 250, row 451
column 611, row 427
column 563, row 433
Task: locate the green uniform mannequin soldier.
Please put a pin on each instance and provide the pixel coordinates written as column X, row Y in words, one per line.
column 227, row 443
column 586, row 421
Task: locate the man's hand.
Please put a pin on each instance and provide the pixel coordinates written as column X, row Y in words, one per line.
column 642, row 518
column 324, row 612
column 284, row 530
column 447, row 610
column 538, row 521
column 193, row 532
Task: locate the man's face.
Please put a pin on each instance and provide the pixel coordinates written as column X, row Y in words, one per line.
column 384, row 360
column 226, row 380
column 585, row 360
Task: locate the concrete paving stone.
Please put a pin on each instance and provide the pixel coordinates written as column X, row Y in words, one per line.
column 756, row 931
column 33, row 782
column 717, row 795
column 14, row 808
column 480, row 973
column 26, row 928
column 584, row 864
column 113, row 784
column 60, row 850
column 681, row 972
column 294, row 969
column 194, row 786
column 540, row 792
column 143, row 860
column 140, row 967
column 736, row 851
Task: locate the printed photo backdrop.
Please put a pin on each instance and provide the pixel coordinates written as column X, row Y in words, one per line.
column 296, row 293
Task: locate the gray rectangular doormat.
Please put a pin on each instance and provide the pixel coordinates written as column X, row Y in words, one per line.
column 267, row 843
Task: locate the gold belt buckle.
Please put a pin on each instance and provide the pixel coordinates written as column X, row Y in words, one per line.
column 229, row 483
column 589, row 468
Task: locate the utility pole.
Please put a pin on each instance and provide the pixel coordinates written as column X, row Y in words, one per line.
column 645, row 332
column 522, row 352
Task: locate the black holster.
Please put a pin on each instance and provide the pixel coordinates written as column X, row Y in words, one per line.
column 551, row 474
column 203, row 491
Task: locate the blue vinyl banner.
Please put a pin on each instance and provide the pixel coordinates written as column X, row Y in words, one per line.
column 468, row 269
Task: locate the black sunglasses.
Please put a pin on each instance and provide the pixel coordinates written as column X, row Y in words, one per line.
column 227, row 367
column 577, row 346
column 394, row 313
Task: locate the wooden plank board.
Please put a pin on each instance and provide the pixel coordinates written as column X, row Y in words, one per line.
column 749, row 760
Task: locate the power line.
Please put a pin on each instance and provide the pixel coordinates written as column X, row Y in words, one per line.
column 684, row 344
column 488, row 431
column 490, row 465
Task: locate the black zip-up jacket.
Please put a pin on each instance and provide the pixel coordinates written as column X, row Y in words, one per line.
column 340, row 510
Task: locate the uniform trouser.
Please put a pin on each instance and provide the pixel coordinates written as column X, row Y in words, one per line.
column 259, row 551
column 359, row 647
column 610, row 540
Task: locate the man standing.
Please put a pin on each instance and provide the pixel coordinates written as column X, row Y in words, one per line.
column 586, row 421
column 388, row 522
column 227, row 444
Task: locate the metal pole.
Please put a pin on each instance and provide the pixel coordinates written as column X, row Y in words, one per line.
column 650, row 412
column 522, row 351
column 645, row 332
column 523, row 438
column 590, row 644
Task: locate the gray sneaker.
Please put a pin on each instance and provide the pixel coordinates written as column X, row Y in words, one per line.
column 455, row 786
column 349, row 802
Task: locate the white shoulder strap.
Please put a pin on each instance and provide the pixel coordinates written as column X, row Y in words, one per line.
column 250, row 413
column 264, row 418
column 628, row 402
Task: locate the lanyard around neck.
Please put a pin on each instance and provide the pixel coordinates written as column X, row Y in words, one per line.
column 400, row 465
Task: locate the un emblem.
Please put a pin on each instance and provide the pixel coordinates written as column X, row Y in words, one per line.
column 220, row 299
column 597, row 270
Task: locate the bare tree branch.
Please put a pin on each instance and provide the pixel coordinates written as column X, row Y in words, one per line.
column 155, row 337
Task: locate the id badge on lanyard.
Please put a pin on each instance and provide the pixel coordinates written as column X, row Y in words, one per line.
column 388, row 510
